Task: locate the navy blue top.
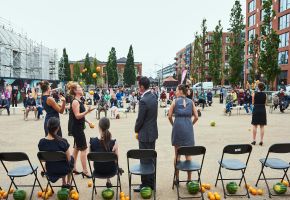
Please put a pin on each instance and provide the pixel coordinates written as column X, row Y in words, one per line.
column 103, row 167
column 50, row 112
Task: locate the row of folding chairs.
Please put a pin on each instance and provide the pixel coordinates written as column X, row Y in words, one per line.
column 30, row 169
column 232, row 164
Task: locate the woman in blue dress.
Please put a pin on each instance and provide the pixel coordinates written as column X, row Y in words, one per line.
column 182, row 131
column 50, row 106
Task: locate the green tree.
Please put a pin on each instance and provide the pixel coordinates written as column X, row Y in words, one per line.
column 196, row 57
column 254, row 48
column 61, row 74
column 129, row 71
column 76, row 71
column 111, row 68
column 268, row 60
column 203, row 42
column 215, row 56
column 87, row 67
column 67, row 76
column 237, row 43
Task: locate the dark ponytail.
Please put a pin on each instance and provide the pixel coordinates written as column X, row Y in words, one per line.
column 53, row 126
column 106, row 135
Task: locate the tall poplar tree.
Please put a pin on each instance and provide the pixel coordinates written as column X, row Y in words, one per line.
column 216, row 55
column 237, row 43
column 87, row 67
column 203, row 38
column 196, row 58
column 129, row 71
column 76, row 72
column 111, row 68
column 268, row 60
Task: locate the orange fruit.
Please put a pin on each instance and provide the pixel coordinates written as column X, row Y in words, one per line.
column 207, row 186
column 43, row 195
column 76, row 196
column 122, row 194
column 2, row 192
column 123, row 198
column 49, row 192
column 209, row 194
column 39, row 194
column 127, row 198
column 285, row 183
column 90, row 184
column 247, row 186
column 250, row 189
column 203, row 189
column 5, row 195
column 211, row 197
column 47, row 196
column 254, row 192
column 217, row 197
column 11, row 190
column 72, row 192
column 260, row 192
column 203, row 185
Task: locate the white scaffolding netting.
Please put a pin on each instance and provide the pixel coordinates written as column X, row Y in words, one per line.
column 23, row 58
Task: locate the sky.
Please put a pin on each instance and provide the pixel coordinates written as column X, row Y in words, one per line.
column 157, row 29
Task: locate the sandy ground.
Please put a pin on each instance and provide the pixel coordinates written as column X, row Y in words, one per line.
column 19, row 135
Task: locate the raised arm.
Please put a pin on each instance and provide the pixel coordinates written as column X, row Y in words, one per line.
column 51, row 102
column 76, row 110
column 170, row 112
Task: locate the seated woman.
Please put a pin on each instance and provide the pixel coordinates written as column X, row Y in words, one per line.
column 104, row 143
column 114, row 107
column 30, row 106
column 52, row 142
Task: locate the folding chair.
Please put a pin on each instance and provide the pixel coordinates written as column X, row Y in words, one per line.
column 188, row 166
column 20, row 171
column 275, row 163
column 54, row 156
column 104, row 157
column 141, row 168
column 234, row 165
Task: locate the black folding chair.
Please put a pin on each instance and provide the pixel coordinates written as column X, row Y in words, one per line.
column 55, row 156
column 142, row 168
column 20, row 171
column 275, row 163
column 188, row 166
column 104, row 157
column 234, row 165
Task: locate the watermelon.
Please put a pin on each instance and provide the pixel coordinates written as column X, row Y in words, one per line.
column 63, row 194
column 146, row 192
column 193, row 187
column 19, row 195
column 108, row 194
column 232, row 187
column 280, row 188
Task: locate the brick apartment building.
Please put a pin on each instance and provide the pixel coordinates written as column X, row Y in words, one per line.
column 184, row 56
column 281, row 23
column 121, row 62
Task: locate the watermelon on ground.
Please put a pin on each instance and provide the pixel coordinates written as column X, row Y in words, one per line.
column 108, row 194
column 146, row 192
column 232, row 187
column 63, row 194
column 193, row 187
column 280, row 188
column 19, row 195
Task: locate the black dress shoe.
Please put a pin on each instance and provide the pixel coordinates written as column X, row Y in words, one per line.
column 253, row 143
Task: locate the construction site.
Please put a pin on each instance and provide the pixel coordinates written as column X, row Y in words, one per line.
column 23, row 60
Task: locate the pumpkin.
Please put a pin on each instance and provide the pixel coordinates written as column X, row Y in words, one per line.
column 19, row 195
column 232, row 187
column 63, row 194
column 108, row 194
column 94, row 75
column 280, row 188
column 193, row 187
column 146, row 192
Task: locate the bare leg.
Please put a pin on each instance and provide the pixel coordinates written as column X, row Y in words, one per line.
column 254, row 132
column 75, row 155
column 84, row 161
column 63, row 181
column 188, row 158
column 26, row 114
column 262, row 132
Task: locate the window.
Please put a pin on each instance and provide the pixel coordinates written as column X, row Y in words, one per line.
column 252, row 20
column 283, row 58
column 251, row 34
column 284, row 21
column 252, row 6
column 284, row 40
column 284, row 5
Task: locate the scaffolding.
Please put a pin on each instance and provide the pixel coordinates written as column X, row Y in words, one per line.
column 22, row 58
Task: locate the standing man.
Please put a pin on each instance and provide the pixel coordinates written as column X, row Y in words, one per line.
column 146, row 126
column 14, row 96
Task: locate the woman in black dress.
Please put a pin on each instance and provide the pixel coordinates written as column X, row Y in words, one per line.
column 52, row 142
column 104, row 143
column 259, row 117
column 77, row 125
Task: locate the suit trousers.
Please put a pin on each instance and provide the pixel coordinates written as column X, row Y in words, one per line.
column 147, row 180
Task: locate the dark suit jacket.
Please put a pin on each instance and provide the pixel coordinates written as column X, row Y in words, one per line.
column 146, row 123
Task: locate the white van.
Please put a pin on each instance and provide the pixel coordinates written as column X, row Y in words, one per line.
column 205, row 86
